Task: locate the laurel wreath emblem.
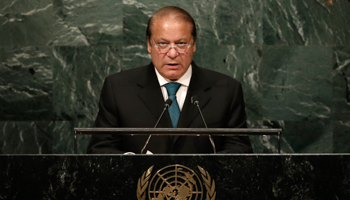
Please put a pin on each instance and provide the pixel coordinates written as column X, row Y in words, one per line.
column 209, row 184
column 143, row 184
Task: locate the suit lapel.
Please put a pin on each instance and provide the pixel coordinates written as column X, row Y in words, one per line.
column 200, row 88
column 151, row 96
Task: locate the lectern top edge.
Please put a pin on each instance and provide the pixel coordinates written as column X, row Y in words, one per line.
column 177, row 131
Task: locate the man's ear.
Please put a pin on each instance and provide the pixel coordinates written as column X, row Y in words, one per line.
column 194, row 47
column 149, row 46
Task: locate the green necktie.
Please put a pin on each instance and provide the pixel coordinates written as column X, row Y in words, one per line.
column 174, row 110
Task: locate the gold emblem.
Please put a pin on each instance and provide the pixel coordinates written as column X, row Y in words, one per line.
column 175, row 182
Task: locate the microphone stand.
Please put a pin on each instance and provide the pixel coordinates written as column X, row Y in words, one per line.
column 168, row 103
column 196, row 102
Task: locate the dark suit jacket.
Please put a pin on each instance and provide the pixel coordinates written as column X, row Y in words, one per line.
column 133, row 98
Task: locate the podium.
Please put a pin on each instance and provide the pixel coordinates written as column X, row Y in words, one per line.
column 171, row 176
column 238, row 176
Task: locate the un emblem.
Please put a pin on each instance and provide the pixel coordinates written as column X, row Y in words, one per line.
column 175, row 182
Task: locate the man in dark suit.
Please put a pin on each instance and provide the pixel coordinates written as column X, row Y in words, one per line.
column 135, row 98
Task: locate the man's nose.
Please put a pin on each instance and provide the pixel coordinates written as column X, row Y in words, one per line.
column 172, row 53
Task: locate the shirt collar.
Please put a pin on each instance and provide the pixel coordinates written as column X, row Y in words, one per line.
column 184, row 80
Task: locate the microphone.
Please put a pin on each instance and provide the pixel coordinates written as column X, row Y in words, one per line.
column 167, row 104
column 195, row 101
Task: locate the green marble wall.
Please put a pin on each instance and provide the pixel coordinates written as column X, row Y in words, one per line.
column 292, row 57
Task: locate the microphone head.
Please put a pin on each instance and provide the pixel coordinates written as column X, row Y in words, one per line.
column 195, row 99
column 168, row 103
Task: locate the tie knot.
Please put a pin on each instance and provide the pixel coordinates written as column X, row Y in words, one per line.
column 172, row 88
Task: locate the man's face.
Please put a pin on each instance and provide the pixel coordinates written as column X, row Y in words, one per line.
column 171, row 65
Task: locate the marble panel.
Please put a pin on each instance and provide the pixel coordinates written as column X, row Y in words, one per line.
column 26, row 83
column 309, row 136
column 88, row 22
column 137, row 14
column 26, row 137
column 297, row 83
column 135, row 18
column 306, row 22
column 237, row 22
column 266, row 143
column 42, row 137
column 341, row 83
column 79, row 73
column 63, row 137
column 228, row 22
column 135, row 56
column 218, row 22
column 26, row 23
column 341, row 136
column 314, row 136
column 240, row 63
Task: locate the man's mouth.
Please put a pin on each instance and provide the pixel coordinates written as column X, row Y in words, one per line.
column 173, row 64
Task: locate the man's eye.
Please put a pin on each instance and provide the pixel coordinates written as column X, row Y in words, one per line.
column 182, row 44
column 162, row 44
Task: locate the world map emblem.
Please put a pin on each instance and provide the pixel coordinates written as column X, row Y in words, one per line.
column 175, row 182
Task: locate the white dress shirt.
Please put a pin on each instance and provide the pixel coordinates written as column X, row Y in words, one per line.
column 181, row 93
